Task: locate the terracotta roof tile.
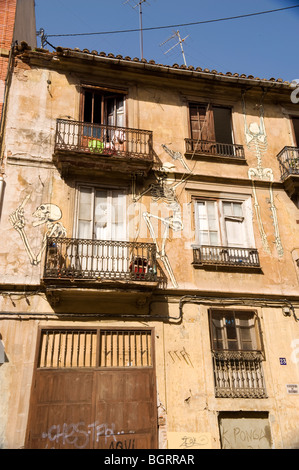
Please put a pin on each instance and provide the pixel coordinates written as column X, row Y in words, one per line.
column 60, row 51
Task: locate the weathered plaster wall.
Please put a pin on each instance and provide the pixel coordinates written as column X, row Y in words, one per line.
column 186, row 398
column 185, row 384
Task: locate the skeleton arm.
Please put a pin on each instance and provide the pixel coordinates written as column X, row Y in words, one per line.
column 54, row 230
column 176, row 156
column 17, row 220
column 135, row 199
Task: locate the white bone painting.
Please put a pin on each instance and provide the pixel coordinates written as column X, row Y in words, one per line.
column 256, row 141
column 45, row 214
column 165, row 192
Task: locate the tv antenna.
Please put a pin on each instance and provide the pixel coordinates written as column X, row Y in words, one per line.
column 134, row 4
column 176, row 34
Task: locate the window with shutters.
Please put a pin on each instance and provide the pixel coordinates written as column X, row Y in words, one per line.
column 211, row 131
column 237, row 354
column 224, row 234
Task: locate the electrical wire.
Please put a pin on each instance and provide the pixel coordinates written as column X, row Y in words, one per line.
column 175, row 25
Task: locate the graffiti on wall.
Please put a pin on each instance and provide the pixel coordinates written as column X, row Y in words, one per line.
column 47, row 215
column 256, row 141
column 189, row 440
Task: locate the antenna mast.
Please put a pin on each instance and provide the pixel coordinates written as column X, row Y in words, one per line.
column 176, row 34
column 135, row 5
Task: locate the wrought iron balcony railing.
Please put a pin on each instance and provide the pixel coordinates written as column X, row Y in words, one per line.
column 97, row 140
column 288, row 159
column 205, row 147
column 239, row 374
column 225, row 256
column 80, row 259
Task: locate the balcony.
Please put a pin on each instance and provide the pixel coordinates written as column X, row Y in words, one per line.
column 230, row 257
column 95, row 149
column 238, row 374
column 288, row 159
column 215, row 150
column 99, row 263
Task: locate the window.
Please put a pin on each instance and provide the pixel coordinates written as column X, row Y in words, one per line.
column 101, row 213
column 234, row 331
column 211, row 123
column 237, row 354
column 224, row 233
column 221, row 223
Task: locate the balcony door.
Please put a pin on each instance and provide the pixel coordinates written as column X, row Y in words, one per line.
column 101, row 108
column 101, row 214
column 211, row 129
column 102, row 224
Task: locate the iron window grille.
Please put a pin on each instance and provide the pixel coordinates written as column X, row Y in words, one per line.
column 237, row 354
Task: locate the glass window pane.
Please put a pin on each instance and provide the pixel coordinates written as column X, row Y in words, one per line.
column 84, row 229
column 101, row 209
column 230, row 327
column 217, row 332
column 211, row 209
column 237, row 209
column 202, row 216
column 85, row 203
column 214, row 238
column 204, row 237
column 227, row 208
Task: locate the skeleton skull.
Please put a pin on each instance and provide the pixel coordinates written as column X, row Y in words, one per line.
column 46, row 213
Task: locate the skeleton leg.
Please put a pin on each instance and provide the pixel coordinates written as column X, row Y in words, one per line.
column 259, row 220
column 161, row 254
column 165, row 259
column 278, row 243
column 147, row 216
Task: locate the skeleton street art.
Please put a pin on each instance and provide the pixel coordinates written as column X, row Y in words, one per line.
column 165, row 192
column 256, row 141
column 45, row 214
column 176, row 156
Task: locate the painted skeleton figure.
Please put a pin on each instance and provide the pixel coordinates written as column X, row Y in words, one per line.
column 256, row 140
column 165, row 192
column 48, row 214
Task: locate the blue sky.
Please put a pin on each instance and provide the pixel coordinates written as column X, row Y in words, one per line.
column 264, row 46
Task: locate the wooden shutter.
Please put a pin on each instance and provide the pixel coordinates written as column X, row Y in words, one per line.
column 202, row 122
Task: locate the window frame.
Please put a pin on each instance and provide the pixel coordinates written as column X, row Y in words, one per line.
column 247, row 236
column 94, row 187
column 105, row 92
column 255, row 330
column 209, row 116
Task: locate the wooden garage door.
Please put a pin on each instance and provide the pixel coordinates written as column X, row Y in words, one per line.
column 93, row 389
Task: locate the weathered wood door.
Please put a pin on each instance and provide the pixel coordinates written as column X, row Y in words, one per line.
column 93, row 390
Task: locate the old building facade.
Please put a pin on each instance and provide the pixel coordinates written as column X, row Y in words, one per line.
column 149, row 263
